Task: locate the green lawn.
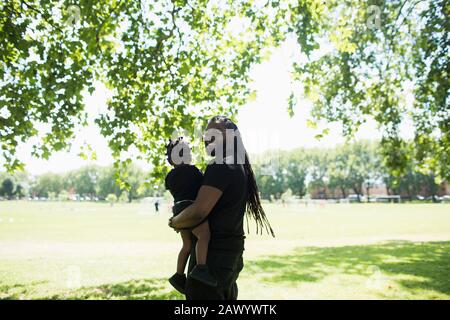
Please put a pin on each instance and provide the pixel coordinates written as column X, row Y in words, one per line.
column 341, row 251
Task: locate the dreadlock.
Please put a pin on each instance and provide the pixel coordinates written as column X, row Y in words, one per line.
column 253, row 205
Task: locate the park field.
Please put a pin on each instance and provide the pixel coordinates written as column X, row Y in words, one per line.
column 68, row 250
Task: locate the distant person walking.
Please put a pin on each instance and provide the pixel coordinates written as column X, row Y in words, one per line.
column 157, row 206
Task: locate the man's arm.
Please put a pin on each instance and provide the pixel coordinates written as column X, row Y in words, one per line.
column 207, row 198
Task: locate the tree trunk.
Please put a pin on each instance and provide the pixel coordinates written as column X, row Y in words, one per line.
column 357, row 193
column 344, row 195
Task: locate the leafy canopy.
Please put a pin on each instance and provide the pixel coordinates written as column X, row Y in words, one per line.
column 389, row 62
column 173, row 64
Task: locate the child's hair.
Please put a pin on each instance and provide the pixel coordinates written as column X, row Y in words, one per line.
column 184, row 153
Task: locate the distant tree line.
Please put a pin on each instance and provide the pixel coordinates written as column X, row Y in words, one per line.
column 356, row 168
column 89, row 182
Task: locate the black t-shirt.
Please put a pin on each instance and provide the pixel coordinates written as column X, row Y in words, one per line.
column 183, row 182
column 226, row 219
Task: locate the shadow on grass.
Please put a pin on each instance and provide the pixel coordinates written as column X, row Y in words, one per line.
column 144, row 289
column 18, row 291
column 412, row 265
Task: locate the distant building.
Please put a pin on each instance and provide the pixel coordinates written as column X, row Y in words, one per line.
column 444, row 189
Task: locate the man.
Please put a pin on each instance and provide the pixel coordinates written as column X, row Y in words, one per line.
column 228, row 191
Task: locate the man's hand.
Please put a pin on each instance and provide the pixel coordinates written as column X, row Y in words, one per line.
column 171, row 225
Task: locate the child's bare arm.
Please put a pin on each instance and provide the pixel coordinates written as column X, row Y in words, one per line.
column 207, row 198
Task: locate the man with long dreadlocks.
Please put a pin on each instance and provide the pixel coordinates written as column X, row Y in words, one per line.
column 229, row 190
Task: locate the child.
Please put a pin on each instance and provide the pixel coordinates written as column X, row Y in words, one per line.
column 183, row 182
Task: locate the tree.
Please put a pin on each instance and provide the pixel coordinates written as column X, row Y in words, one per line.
column 338, row 171
column 286, row 196
column 106, row 183
column 63, row 195
column 134, row 179
column 7, row 188
column 83, row 180
column 363, row 167
column 271, row 180
column 317, row 174
column 19, row 192
column 18, row 183
column 124, row 197
column 296, row 172
column 46, row 184
column 173, row 64
column 161, row 60
column 414, row 180
column 388, row 62
column 372, row 165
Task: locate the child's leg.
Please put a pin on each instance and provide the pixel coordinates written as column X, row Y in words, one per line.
column 201, row 271
column 203, row 235
column 184, row 252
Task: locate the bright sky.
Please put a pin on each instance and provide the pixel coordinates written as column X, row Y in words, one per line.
column 264, row 123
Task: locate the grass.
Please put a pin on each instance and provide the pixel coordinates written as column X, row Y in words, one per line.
column 390, row 270
column 340, row 251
